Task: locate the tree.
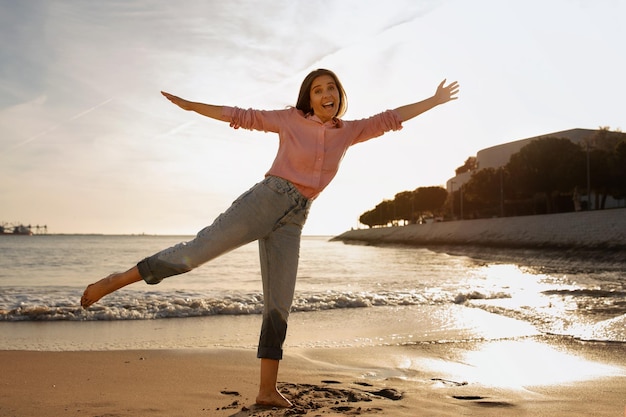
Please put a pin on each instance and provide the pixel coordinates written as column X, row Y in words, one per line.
column 471, row 164
column 381, row 215
column 617, row 163
column 430, row 199
column 603, row 164
column 484, row 191
column 407, row 205
column 369, row 218
column 605, row 139
column 545, row 167
column 404, row 207
column 600, row 175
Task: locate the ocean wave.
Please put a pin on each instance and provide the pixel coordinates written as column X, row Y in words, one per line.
column 593, row 319
column 462, row 298
column 156, row 305
column 578, row 324
column 610, row 330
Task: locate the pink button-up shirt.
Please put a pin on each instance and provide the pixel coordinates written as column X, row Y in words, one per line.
column 310, row 151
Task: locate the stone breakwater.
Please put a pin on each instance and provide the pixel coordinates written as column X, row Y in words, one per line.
column 601, row 229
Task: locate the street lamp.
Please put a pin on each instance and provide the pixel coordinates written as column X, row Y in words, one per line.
column 461, row 202
column 501, row 192
column 588, row 177
column 452, row 197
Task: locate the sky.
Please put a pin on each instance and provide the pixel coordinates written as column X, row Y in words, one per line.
column 88, row 144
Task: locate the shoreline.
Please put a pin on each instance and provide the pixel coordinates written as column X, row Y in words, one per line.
column 600, row 230
column 360, row 327
column 433, row 379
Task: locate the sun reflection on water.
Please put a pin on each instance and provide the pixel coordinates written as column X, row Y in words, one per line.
column 520, row 293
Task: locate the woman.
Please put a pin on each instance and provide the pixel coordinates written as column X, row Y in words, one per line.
column 313, row 140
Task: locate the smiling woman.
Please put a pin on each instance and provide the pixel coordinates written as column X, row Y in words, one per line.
column 321, row 93
column 312, row 142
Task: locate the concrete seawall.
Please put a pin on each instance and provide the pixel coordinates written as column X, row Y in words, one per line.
column 601, row 229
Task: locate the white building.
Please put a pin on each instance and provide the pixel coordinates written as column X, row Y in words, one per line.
column 499, row 155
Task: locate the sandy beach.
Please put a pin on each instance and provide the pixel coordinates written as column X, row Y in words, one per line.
column 542, row 378
column 384, row 331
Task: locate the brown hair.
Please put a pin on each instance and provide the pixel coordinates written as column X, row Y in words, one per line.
column 304, row 97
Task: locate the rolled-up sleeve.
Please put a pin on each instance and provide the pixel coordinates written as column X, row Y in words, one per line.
column 263, row 120
column 376, row 125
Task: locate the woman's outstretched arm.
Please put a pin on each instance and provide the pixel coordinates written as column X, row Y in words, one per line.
column 443, row 94
column 208, row 110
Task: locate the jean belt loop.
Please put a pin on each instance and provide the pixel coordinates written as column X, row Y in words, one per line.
column 290, row 189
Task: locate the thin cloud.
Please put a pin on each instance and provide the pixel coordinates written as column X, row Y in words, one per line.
column 55, row 127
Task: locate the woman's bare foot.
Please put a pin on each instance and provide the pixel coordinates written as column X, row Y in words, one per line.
column 97, row 290
column 113, row 282
column 273, row 399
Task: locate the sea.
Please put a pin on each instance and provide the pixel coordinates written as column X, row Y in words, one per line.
column 366, row 294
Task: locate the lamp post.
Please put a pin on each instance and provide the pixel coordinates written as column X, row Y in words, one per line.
column 452, row 197
column 588, row 177
column 501, row 192
column 461, row 202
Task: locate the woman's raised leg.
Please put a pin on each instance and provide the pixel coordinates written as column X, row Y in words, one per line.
column 251, row 216
column 107, row 285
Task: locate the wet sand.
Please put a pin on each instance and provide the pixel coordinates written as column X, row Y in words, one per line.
column 524, row 377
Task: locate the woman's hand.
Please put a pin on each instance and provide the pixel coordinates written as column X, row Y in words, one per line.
column 180, row 102
column 446, row 93
column 443, row 94
column 208, row 110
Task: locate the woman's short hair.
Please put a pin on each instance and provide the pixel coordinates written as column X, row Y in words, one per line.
column 304, row 97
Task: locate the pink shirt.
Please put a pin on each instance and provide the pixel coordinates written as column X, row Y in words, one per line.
column 310, row 151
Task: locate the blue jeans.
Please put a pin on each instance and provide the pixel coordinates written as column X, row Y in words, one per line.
column 272, row 212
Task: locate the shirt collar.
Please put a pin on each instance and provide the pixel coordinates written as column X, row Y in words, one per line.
column 334, row 122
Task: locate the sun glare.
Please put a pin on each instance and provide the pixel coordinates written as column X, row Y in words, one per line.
column 526, row 363
column 518, row 364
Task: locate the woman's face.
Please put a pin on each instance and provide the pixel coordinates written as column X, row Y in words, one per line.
column 324, row 96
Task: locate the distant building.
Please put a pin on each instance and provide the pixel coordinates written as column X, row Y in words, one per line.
column 499, row 155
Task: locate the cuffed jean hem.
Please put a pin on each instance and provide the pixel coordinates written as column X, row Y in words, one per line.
column 146, row 273
column 269, row 353
column 148, row 276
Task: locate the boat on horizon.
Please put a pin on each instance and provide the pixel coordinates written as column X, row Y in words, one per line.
column 20, row 229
